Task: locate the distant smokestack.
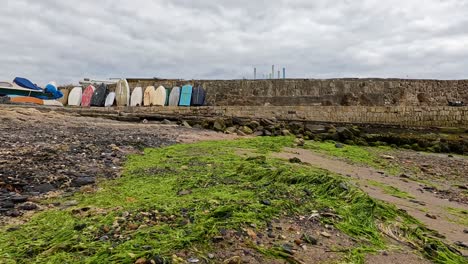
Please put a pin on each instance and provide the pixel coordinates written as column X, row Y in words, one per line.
column 255, row 73
column 284, row 73
column 272, row 71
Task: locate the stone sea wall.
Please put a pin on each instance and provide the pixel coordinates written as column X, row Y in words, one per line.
column 330, row 92
column 406, row 116
column 401, row 116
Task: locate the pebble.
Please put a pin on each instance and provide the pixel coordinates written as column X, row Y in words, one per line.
column 387, row 157
column 14, row 213
column 431, row 216
column 7, row 205
column 19, row 199
column 148, row 248
column 309, row 239
column 461, row 244
column 233, row 260
column 295, row 160
column 184, row 192
column 211, row 256
column 141, row 261
column 288, row 248
column 82, row 181
column 28, row 206
column 70, row 203
column 339, row 145
column 266, row 202
column 405, row 176
column 344, row 186
column 418, row 202
column 193, row 260
column 325, row 234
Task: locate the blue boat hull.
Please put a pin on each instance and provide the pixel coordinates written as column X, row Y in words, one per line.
column 186, row 95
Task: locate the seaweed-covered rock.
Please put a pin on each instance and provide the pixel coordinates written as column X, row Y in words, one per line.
column 246, row 130
column 230, row 130
column 253, row 124
column 296, row 127
column 344, row 133
column 219, row 125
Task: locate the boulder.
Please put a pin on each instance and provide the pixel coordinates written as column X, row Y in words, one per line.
column 258, row 133
column 267, row 133
column 219, row 125
column 228, row 122
column 246, row 130
column 253, row 125
column 186, row 124
column 285, row 132
column 296, row 127
column 240, row 133
column 206, row 124
column 267, row 122
column 315, row 128
column 344, row 133
column 299, row 142
column 230, row 130
column 239, row 121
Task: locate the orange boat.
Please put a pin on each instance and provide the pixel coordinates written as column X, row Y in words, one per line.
column 26, row 100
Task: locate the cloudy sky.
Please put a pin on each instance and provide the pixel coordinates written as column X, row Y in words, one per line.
column 225, row 39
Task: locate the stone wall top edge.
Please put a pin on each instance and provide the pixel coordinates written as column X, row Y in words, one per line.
column 291, row 79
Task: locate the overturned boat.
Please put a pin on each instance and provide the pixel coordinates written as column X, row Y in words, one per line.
column 24, row 87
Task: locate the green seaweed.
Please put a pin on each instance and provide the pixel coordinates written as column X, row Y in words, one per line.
column 181, row 197
column 391, row 190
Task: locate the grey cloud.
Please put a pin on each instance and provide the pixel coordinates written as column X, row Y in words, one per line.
column 64, row 41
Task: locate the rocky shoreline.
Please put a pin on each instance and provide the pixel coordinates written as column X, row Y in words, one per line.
column 435, row 140
column 48, row 151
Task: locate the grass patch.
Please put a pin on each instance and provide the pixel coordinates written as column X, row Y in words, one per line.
column 181, row 197
column 391, row 190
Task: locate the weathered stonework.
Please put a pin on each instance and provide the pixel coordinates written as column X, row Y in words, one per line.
column 405, row 116
column 411, row 116
column 331, row 92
